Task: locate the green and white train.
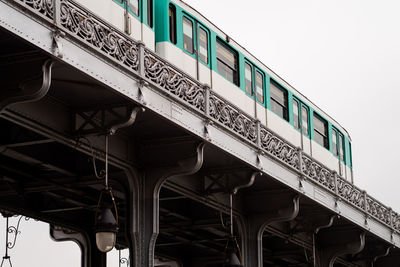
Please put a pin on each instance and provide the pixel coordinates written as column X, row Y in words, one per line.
column 183, row 36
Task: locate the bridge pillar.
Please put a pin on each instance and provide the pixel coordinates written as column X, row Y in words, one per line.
column 150, row 185
column 333, row 242
column 265, row 209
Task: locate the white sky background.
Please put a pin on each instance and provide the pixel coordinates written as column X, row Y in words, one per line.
column 344, row 55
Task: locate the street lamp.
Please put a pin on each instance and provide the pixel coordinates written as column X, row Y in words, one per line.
column 106, row 225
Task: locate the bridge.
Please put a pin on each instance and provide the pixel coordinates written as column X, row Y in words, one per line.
column 186, row 167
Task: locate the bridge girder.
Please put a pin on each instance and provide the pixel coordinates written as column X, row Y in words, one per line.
column 47, row 173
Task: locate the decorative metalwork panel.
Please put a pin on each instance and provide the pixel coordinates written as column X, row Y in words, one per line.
column 97, row 33
column 396, row 221
column 318, row 173
column 118, row 47
column 279, row 148
column 174, row 81
column 378, row 211
column 351, row 193
column 233, row 118
column 44, row 7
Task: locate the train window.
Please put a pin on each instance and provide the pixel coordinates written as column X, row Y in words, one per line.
column 203, row 45
column 172, row 23
column 341, row 144
column 279, row 101
column 188, row 35
column 321, row 131
column 134, row 6
column 300, row 116
column 304, row 121
column 248, row 74
column 334, row 142
column 227, row 63
column 296, row 115
column 260, row 87
column 150, row 13
column 338, row 144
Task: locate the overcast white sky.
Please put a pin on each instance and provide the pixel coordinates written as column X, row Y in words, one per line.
column 344, row 55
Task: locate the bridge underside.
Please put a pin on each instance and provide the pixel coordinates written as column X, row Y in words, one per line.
column 171, row 189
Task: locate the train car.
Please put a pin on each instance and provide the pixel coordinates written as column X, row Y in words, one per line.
column 191, row 42
column 134, row 17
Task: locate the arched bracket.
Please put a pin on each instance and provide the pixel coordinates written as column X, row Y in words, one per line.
column 332, row 242
column 131, row 119
column 381, row 256
column 153, row 179
column 276, row 207
column 248, row 184
column 104, row 120
column 389, row 258
column 28, row 91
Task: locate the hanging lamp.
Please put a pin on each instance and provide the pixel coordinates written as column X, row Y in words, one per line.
column 106, row 225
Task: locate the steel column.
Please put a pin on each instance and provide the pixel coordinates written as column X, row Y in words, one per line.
column 264, row 210
column 151, row 183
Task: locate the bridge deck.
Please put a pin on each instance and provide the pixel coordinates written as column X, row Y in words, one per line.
column 46, row 146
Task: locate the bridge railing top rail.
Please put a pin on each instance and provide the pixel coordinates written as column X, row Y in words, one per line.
column 92, row 31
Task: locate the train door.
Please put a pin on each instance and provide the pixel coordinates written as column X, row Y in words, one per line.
column 196, row 44
column 133, row 23
column 301, row 121
column 338, row 150
column 203, row 55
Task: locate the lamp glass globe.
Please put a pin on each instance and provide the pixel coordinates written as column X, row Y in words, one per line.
column 105, row 241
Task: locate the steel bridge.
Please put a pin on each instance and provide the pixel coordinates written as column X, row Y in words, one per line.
column 177, row 151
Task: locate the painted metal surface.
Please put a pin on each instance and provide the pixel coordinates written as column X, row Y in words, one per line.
column 96, row 48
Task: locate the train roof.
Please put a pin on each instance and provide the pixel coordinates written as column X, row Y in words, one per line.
column 270, row 71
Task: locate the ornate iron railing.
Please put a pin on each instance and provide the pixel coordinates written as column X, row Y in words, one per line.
column 80, row 24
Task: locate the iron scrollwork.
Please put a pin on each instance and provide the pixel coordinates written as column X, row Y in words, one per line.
column 14, row 231
column 122, row 260
column 233, row 118
column 378, row 211
column 172, row 80
column 98, row 34
column 44, row 7
column 351, row 193
column 278, row 148
column 318, row 173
